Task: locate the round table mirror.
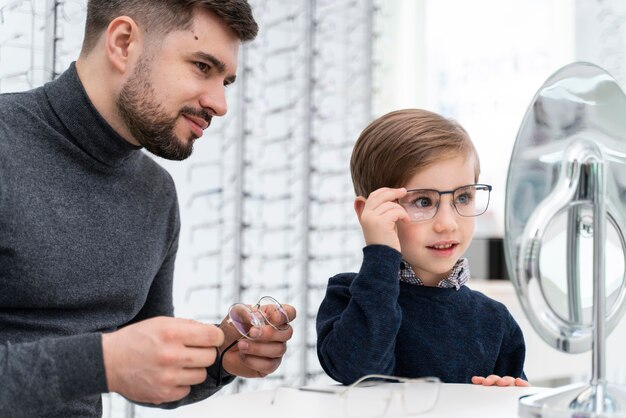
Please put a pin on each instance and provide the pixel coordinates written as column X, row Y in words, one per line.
column 564, row 222
column 579, row 112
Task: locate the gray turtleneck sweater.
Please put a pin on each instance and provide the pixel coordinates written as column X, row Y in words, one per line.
column 88, row 236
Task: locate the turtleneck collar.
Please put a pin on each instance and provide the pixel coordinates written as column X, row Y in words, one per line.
column 88, row 129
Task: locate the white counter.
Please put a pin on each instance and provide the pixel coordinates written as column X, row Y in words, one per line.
column 455, row 400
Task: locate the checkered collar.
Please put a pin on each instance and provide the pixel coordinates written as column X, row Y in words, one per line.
column 458, row 277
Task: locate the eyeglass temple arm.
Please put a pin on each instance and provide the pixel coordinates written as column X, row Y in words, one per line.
column 394, row 378
column 220, row 359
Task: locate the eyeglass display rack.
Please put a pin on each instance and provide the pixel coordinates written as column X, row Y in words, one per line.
column 302, row 97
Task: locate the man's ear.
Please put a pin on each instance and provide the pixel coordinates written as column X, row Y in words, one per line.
column 123, row 42
column 359, row 205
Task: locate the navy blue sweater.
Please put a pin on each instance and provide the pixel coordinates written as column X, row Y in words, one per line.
column 371, row 322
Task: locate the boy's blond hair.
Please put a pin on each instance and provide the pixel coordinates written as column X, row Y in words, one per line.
column 392, row 148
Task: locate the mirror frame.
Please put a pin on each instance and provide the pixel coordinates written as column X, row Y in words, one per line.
column 580, row 89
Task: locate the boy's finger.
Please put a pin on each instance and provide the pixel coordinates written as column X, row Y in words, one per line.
column 506, row 381
column 384, row 194
column 478, row 380
column 390, row 208
column 491, row 380
column 404, row 216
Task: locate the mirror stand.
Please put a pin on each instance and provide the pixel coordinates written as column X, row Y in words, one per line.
column 578, row 400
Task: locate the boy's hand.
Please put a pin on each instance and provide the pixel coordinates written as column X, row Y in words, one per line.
column 378, row 215
column 496, row 380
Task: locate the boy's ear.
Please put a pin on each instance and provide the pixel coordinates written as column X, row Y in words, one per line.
column 359, row 205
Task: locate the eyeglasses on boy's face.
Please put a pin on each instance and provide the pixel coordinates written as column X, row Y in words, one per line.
column 423, row 204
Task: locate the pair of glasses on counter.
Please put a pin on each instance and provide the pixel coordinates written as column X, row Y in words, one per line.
column 372, row 396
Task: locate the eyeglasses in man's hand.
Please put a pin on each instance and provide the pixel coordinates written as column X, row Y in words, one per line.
column 249, row 322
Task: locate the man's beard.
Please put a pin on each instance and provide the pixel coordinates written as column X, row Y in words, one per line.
column 148, row 121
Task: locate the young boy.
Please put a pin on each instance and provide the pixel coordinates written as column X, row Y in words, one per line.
column 408, row 311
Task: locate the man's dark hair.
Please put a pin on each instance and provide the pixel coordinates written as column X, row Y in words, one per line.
column 163, row 16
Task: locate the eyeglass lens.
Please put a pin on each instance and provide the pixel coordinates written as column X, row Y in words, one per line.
column 423, row 204
column 420, row 396
column 244, row 318
column 267, row 310
column 273, row 312
column 369, row 399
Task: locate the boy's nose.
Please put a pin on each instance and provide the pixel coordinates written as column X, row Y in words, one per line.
column 446, row 217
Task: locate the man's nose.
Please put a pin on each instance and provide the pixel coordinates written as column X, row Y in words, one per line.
column 214, row 99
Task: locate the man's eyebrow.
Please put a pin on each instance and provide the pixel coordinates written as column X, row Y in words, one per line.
column 217, row 63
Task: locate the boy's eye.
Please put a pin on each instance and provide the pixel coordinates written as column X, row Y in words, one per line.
column 423, row 202
column 464, row 199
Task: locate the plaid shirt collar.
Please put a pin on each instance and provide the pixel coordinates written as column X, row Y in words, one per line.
column 459, row 276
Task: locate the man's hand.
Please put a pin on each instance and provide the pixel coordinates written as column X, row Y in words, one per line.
column 496, row 380
column 157, row 360
column 260, row 356
column 378, row 215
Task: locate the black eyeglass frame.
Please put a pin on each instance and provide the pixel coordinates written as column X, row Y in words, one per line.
column 477, row 186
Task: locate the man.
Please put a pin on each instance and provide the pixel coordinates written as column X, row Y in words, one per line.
column 89, row 224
